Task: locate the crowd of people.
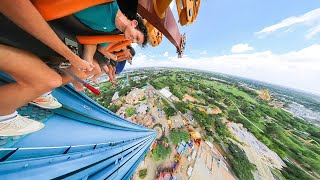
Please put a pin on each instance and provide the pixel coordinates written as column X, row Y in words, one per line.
column 34, row 79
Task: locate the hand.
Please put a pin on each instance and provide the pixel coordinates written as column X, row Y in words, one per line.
column 81, row 64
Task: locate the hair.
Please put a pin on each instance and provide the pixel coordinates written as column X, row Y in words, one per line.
column 132, row 51
column 143, row 29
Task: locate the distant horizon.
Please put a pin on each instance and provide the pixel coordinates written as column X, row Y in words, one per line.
column 261, row 81
column 231, row 37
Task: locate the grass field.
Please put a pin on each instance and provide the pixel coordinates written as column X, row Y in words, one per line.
column 228, row 88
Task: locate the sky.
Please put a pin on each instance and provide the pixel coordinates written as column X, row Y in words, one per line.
column 276, row 41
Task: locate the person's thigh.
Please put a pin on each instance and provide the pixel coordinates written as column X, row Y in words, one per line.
column 24, row 66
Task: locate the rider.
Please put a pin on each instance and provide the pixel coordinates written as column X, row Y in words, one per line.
column 107, row 18
column 109, row 65
column 33, row 77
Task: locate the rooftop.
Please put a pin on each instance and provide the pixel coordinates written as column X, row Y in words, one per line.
column 165, row 92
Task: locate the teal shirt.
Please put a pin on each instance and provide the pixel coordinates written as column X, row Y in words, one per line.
column 100, row 17
column 104, row 44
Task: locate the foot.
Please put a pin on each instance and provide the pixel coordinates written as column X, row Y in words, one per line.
column 19, row 125
column 95, row 80
column 46, row 102
column 78, row 86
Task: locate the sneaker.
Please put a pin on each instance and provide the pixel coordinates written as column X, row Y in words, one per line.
column 46, row 102
column 19, row 125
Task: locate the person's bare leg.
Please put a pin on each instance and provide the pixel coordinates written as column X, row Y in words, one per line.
column 66, row 79
column 104, row 69
column 96, row 72
column 95, row 78
column 88, row 52
column 110, row 74
column 33, row 78
column 82, row 75
column 114, row 74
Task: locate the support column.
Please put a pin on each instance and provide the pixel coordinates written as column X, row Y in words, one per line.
column 160, row 7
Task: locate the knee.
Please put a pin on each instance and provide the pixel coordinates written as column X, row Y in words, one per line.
column 53, row 81
column 48, row 82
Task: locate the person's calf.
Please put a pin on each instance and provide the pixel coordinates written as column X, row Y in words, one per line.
column 95, row 78
column 89, row 50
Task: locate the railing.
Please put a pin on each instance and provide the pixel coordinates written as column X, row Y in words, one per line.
column 9, row 154
column 89, row 160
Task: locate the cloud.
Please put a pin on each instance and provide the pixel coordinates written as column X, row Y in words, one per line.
column 166, row 54
column 172, row 4
column 241, row 48
column 311, row 18
column 312, row 32
column 134, row 45
column 204, row 52
column 297, row 69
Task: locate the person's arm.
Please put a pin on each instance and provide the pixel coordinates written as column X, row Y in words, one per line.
column 107, row 54
column 26, row 16
column 122, row 58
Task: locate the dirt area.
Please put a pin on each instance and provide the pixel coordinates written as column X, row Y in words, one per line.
column 187, row 97
column 214, row 111
column 162, row 120
column 254, row 151
column 262, row 169
column 177, row 121
column 160, row 132
column 134, row 96
column 209, row 110
column 202, row 109
column 151, row 168
column 264, row 94
column 217, row 146
column 210, row 166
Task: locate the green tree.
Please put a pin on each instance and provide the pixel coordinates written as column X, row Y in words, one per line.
column 143, row 173
column 124, row 91
column 240, row 163
column 169, row 111
column 160, row 152
column 114, row 108
column 181, row 107
column 221, row 129
column 130, row 111
column 293, row 172
column 178, row 136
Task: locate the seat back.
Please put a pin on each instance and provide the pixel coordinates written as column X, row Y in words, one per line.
column 55, row 9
